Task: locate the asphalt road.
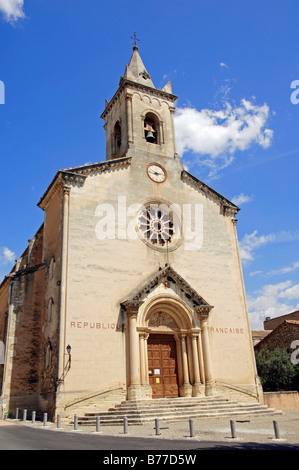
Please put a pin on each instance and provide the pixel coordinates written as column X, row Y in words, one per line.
column 18, row 437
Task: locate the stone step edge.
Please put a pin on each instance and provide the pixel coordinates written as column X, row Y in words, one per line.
column 211, row 414
column 159, row 413
column 202, row 398
column 181, row 406
column 155, row 402
column 158, row 410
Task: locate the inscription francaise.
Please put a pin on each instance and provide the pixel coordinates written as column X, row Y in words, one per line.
column 226, row 330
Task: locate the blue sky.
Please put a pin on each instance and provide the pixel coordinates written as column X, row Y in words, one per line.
column 231, row 64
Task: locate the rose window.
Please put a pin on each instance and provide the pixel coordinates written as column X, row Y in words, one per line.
column 156, row 225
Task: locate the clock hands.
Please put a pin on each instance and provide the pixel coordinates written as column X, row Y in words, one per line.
column 156, row 173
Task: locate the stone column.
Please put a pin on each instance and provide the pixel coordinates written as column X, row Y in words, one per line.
column 129, row 119
column 186, row 389
column 179, row 360
column 146, row 389
column 190, row 358
column 142, row 358
column 172, row 110
column 200, row 358
column 146, row 335
column 197, row 384
column 209, row 382
column 63, row 286
column 134, row 389
column 10, row 341
column 161, row 132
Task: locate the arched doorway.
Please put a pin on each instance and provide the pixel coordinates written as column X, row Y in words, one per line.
column 171, row 342
column 163, row 365
column 167, row 306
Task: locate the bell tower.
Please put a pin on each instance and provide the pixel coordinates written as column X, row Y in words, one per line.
column 139, row 117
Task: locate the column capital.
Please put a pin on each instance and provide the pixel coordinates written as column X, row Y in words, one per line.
column 183, row 334
column 194, row 334
column 132, row 306
column 203, row 311
column 66, row 189
column 142, row 333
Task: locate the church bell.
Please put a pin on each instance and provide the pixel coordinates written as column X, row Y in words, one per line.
column 150, row 137
column 149, row 132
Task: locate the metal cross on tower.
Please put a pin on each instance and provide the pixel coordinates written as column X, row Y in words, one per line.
column 134, row 39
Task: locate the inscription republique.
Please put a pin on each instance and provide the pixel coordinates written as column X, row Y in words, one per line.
column 121, row 327
column 98, row 325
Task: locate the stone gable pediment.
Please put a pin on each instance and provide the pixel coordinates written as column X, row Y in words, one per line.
column 171, row 279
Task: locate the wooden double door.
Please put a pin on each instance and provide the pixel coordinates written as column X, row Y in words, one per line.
column 162, row 366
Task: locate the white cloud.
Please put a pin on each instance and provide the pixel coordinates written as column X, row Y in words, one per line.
column 218, row 134
column 241, row 199
column 291, row 293
column 12, row 9
column 285, row 270
column 251, row 242
column 255, row 273
column 277, row 272
column 268, row 302
column 6, row 256
column 223, row 64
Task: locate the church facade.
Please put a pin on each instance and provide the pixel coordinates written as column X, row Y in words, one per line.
column 132, row 288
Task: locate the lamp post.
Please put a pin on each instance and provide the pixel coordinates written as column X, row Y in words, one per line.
column 68, row 350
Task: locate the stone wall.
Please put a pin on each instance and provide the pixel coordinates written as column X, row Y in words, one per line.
column 282, row 400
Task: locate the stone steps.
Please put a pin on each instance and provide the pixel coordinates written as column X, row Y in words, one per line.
column 142, row 411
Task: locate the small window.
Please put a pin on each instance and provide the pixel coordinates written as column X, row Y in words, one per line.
column 51, row 267
column 116, row 138
column 50, row 309
column 48, row 355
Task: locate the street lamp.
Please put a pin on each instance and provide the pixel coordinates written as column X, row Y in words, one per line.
column 68, row 350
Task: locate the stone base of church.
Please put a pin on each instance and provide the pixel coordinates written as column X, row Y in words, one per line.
column 186, row 390
column 198, row 390
column 140, row 392
column 134, row 392
column 146, row 392
column 210, row 389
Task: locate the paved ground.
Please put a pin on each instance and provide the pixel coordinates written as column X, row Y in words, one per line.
column 248, row 428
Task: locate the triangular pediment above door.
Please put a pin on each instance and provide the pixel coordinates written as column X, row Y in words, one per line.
column 171, row 279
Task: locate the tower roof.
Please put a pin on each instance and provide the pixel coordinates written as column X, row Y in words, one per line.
column 136, row 71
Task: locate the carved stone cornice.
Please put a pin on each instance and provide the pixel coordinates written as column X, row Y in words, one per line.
column 227, row 207
column 76, row 176
column 51, row 191
column 62, row 179
column 126, row 83
column 102, row 167
column 72, row 179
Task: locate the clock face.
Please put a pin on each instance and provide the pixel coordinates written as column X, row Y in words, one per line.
column 156, row 172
